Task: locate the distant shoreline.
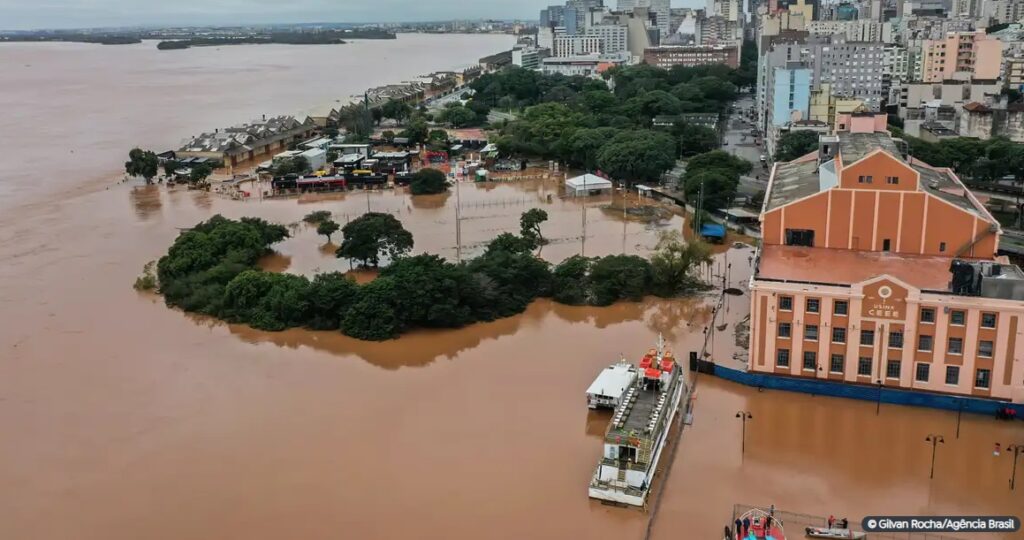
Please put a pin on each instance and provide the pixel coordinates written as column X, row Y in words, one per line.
column 332, row 37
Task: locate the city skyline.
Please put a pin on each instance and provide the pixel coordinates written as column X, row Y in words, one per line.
column 65, row 14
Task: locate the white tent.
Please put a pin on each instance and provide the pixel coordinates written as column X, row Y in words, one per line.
column 587, row 184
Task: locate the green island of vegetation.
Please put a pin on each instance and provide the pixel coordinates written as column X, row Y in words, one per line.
column 331, row 37
column 212, row 269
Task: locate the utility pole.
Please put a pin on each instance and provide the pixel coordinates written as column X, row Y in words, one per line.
column 936, row 440
column 625, row 194
column 583, row 242
column 458, row 222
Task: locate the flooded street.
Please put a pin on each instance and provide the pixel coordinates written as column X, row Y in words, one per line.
column 123, row 419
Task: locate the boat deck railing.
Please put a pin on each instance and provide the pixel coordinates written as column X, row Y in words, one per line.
column 795, row 524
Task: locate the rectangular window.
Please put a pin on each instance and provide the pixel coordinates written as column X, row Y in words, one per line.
column 885, row 244
column 810, row 360
column 896, row 339
column 813, row 305
column 811, row 332
column 952, row 374
column 785, row 329
column 836, row 363
column 922, row 372
column 867, row 337
column 786, row 303
column 864, row 366
column 981, row 378
column 864, row 179
column 985, row 349
column 957, row 317
column 839, row 335
column 956, row 346
column 782, row 358
column 840, row 307
column 924, row 343
column 942, row 247
column 988, row 320
column 928, row 315
column 892, row 180
column 892, row 369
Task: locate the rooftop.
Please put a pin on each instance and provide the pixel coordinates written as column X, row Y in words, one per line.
column 854, row 146
column 846, row 267
column 803, row 177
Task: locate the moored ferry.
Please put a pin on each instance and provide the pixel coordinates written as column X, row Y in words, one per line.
column 638, row 429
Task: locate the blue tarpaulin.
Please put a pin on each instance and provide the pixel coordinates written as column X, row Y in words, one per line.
column 712, row 230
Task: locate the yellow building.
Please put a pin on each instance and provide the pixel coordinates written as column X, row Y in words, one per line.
column 826, row 108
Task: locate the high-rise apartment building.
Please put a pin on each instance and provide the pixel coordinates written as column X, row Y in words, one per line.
column 961, row 55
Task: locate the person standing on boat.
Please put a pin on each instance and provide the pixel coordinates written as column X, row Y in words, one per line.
column 728, row 534
column 746, row 526
column 739, row 527
column 831, row 521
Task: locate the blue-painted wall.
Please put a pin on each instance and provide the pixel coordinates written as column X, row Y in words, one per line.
column 866, row 393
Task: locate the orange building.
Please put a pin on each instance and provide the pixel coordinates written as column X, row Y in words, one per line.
column 876, row 268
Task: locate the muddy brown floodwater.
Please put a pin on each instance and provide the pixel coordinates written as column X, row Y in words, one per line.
column 123, row 419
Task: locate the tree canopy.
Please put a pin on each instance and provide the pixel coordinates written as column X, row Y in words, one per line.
column 372, row 236
column 795, row 144
column 576, row 120
column 142, row 163
column 428, row 182
column 719, row 172
column 327, row 228
column 211, row 269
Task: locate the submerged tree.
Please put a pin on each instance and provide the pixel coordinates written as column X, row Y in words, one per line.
column 673, row 263
column 327, row 228
column 529, row 224
column 428, row 182
column 142, row 163
column 372, row 236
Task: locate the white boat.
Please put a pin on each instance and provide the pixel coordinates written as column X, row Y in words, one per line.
column 610, row 385
column 825, row 532
column 638, row 430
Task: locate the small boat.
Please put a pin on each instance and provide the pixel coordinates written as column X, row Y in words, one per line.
column 825, row 532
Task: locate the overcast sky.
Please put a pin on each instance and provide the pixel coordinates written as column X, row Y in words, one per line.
column 28, row 14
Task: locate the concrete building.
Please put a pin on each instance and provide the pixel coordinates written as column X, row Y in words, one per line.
column 689, row 56
column 566, row 46
column 527, row 57
column 961, row 55
column 1014, row 72
column 996, row 118
column 730, row 10
column 878, row 269
column 826, row 107
column 790, row 100
column 586, row 65
column 661, row 11
column 1002, row 11
column 614, row 38
column 859, row 30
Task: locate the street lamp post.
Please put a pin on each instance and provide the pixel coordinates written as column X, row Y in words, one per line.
column 1017, row 450
column 935, row 440
column 959, row 414
column 878, row 404
column 744, row 416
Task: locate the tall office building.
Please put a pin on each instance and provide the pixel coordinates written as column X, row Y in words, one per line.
column 662, row 10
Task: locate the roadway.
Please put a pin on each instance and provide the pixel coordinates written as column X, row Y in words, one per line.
column 739, row 141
